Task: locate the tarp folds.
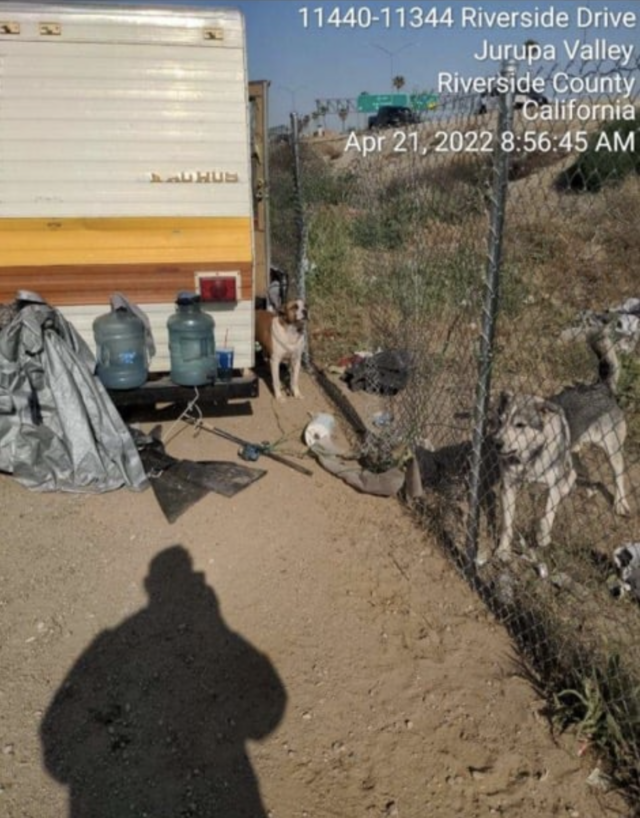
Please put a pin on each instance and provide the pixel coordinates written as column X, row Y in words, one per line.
column 59, row 430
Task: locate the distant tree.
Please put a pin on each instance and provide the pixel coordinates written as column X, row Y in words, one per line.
column 343, row 113
column 528, row 44
column 398, row 82
column 323, row 110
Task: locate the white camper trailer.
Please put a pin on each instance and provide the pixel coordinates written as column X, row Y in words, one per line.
column 126, row 163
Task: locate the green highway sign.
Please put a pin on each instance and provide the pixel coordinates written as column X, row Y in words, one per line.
column 369, row 103
column 423, row 102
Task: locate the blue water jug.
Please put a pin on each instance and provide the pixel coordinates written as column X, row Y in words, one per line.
column 121, row 346
column 191, row 345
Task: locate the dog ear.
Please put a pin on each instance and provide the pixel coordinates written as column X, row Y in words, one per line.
column 547, row 408
column 503, row 403
column 496, row 414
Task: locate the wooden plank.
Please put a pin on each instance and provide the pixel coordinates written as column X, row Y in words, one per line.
column 77, row 285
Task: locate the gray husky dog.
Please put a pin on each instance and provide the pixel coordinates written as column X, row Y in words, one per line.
column 537, row 436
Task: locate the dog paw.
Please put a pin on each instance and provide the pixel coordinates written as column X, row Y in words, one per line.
column 621, row 508
column 481, row 560
column 504, row 554
column 298, row 395
column 543, row 540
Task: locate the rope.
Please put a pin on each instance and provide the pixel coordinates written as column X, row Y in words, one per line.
column 192, row 413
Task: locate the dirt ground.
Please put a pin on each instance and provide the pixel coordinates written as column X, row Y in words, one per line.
column 335, row 646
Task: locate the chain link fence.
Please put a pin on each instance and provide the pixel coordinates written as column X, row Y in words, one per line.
column 492, row 251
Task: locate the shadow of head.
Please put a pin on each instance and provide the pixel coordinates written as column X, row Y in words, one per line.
column 171, row 576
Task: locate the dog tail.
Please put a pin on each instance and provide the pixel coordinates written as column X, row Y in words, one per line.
column 608, row 363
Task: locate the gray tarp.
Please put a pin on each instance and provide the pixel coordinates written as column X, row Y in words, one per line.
column 59, row 429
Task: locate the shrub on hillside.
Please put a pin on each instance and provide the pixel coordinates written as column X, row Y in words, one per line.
column 612, row 154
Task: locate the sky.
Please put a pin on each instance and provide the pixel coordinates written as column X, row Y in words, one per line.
column 305, row 63
column 309, row 63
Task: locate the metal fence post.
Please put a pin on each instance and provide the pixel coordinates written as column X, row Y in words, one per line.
column 303, row 233
column 491, row 304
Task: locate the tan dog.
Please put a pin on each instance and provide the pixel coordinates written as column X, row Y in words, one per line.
column 281, row 337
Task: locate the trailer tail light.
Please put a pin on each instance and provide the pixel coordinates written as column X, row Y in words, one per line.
column 221, row 289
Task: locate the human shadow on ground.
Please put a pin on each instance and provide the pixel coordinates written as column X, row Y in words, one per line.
column 153, row 718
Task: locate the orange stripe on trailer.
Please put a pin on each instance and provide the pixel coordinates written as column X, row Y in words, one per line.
column 32, row 242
